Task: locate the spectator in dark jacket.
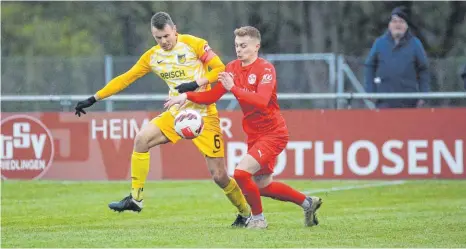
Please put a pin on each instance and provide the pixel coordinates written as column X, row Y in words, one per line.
column 397, row 63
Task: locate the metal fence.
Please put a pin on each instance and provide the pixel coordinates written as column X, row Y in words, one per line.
column 297, row 74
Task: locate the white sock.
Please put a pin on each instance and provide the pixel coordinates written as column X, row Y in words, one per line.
column 139, row 203
column 258, row 217
column 306, row 204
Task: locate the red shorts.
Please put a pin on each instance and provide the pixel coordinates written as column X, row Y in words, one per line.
column 266, row 149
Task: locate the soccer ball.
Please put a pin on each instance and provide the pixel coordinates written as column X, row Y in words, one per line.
column 189, row 124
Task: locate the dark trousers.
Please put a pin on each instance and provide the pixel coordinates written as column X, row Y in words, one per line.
column 396, row 103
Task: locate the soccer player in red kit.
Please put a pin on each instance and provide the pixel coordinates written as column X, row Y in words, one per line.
column 252, row 81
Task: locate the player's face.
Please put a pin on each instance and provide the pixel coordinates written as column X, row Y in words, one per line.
column 246, row 48
column 397, row 26
column 165, row 37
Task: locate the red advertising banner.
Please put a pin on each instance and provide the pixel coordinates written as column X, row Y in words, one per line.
column 333, row 144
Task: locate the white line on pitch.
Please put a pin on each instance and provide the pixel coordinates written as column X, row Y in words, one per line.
column 370, row 185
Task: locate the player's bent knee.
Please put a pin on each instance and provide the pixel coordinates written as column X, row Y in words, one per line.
column 263, row 181
column 249, row 164
column 241, row 175
column 148, row 137
column 141, row 143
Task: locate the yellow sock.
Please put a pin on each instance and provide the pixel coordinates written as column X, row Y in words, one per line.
column 233, row 192
column 137, row 193
column 139, row 172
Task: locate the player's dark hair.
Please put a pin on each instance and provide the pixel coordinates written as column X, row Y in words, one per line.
column 248, row 31
column 160, row 19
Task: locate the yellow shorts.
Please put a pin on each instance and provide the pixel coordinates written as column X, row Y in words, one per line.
column 209, row 143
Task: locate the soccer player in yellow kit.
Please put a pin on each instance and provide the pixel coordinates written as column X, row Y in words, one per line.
column 182, row 61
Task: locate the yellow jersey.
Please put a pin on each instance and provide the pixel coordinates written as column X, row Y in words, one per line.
column 187, row 61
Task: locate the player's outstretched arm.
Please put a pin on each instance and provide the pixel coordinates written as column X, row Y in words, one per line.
column 121, row 82
column 205, row 98
column 117, row 84
column 208, row 97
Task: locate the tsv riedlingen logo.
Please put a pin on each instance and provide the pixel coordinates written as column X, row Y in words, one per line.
column 26, row 147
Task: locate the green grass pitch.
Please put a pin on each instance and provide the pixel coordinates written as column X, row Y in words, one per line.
column 197, row 214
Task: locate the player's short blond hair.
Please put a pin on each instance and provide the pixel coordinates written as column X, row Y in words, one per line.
column 248, row 31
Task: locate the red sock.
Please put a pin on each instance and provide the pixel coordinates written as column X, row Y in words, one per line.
column 283, row 192
column 250, row 190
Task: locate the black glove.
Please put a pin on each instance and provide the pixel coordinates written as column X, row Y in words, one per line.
column 187, row 87
column 84, row 104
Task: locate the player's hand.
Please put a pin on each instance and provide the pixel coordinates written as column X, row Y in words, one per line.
column 84, row 104
column 187, row 87
column 226, row 80
column 180, row 100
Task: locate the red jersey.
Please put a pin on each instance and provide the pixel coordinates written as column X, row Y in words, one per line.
column 255, row 87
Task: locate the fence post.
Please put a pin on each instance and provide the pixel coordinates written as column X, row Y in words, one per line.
column 332, row 79
column 108, row 77
column 340, row 82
